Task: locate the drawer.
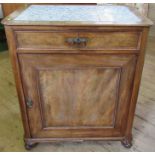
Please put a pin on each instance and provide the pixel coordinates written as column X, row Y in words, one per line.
column 78, row 40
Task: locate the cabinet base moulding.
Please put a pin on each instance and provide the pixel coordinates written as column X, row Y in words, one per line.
column 32, row 142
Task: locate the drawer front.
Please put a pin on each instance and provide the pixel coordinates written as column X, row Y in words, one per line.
column 43, row 40
column 111, row 40
column 127, row 40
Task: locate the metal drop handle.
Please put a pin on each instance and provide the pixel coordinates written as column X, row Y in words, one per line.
column 77, row 41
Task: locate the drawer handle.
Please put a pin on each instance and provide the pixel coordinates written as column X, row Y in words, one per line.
column 77, row 41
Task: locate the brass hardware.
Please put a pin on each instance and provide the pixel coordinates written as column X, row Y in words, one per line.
column 77, row 41
column 29, row 103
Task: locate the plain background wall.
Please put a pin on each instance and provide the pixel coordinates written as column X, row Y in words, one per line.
column 1, row 14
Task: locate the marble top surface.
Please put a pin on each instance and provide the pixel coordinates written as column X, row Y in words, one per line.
column 104, row 13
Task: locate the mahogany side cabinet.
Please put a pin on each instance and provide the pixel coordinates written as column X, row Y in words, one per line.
column 77, row 70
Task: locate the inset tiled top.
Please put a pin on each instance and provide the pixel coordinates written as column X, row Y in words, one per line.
column 105, row 14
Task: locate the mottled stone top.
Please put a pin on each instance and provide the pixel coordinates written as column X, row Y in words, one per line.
column 105, row 14
column 78, row 13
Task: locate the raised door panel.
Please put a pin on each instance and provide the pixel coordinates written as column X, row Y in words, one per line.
column 73, row 97
column 77, row 96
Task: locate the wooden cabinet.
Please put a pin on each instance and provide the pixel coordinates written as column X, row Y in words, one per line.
column 77, row 81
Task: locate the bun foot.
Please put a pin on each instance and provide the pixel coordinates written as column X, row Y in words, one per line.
column 126, row 143
column 29, row 146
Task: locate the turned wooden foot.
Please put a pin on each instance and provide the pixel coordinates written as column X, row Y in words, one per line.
column 29, row 146
column 127, row 142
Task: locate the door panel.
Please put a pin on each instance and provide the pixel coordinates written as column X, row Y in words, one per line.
column 77, row 95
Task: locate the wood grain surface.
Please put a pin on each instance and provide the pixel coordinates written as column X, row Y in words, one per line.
column 95, row 40
column 66, row 101
column 143, row 128
column 73, row 93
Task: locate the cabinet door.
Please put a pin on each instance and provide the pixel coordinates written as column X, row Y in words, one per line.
column 77, row 96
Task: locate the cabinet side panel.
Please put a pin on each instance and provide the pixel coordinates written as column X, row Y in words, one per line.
column 137, row 79
column 18, row 82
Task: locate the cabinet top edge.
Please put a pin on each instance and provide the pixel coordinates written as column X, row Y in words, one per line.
column 104, row 15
